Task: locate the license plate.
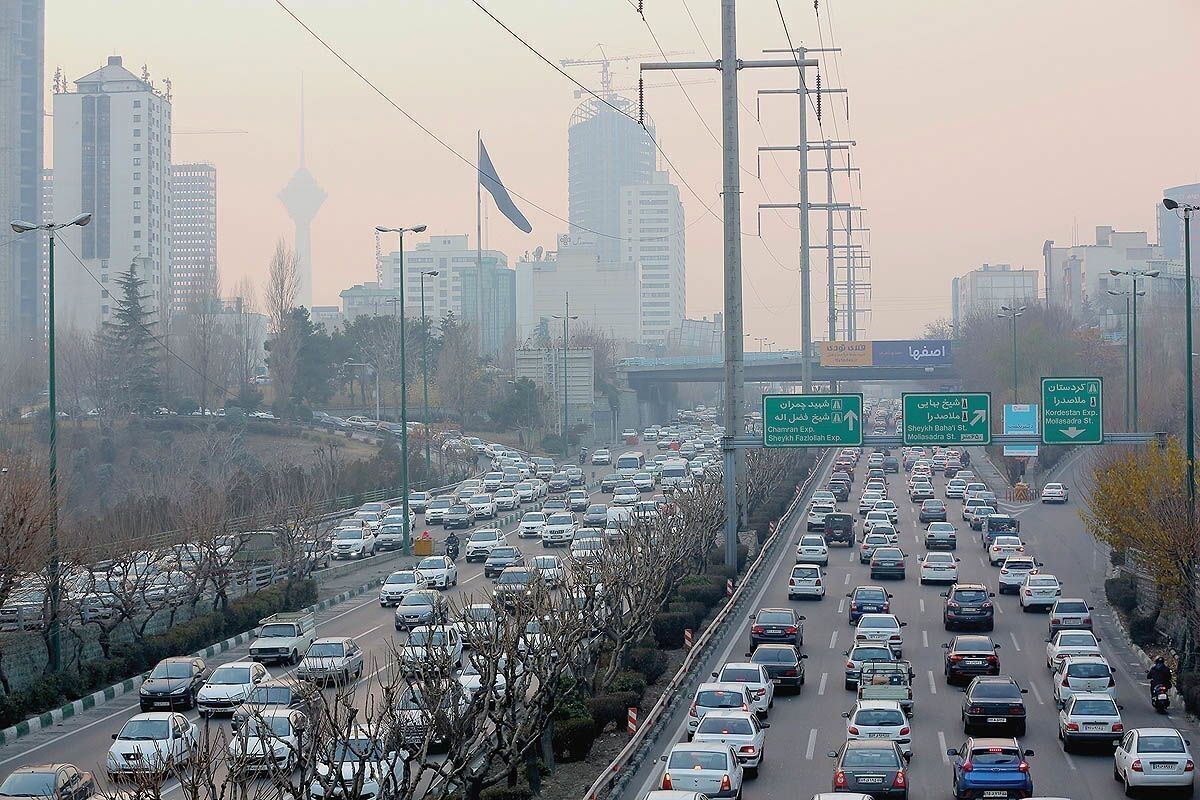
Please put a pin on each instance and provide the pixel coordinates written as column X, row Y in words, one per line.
column 776, row 680
column 870, row 779
column 163, row 704
column 774, row 631
column 1094, row 727
column 972, row 662
column 997, row 719
column 1162, row 767
column 996, row 793
column 878, row 735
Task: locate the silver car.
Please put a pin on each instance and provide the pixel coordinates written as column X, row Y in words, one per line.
column 711, row 768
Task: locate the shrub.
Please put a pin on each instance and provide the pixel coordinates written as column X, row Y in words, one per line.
column 707, row 589
column 696, row 613
column 611, row 708
column 1121, row 591
column 649, row 661
column 572, row 739
column 669, row 626
column 1141, row 628
column 1188, row 684
column 518, row 792
column 629, row 681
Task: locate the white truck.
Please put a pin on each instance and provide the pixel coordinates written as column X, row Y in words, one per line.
column 284, row 637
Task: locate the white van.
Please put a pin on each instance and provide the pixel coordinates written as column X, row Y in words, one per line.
column 619, row 519
column 629, row 464
column 674, row 472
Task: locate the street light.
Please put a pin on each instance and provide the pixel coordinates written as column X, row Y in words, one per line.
column 1007, row 312
column 373, row 369
column 566, row 317
column 403, row 391
column 428, row 273
column 53, row 579
column 1135, row 274
column 1188, row 210
column 1130, row 378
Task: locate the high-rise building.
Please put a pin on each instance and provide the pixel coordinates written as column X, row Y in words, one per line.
column 112, row 158
column 985, row 289
column 193, row 234
column 1170, row 223
column 607, row 151
column 653, row 239
column 22, row 103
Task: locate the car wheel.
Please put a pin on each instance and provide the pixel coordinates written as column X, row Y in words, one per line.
column 849, row 686
column 1128, row 788
column 294, row 658
column 1116, row 775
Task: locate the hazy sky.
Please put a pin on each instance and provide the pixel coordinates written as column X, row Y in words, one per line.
column 983, row 128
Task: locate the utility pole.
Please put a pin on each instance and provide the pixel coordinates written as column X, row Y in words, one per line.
column 729, row 64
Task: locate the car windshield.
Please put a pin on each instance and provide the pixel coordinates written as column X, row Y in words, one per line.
column 515, row 576
column 545, row 562
column 775, row 655
column 480, row 498
column 1088, row 669
column 740, row 675
column 879, row 716
column 710, row 760
column 420, row 638
column 270, row 696
column 995, row 756
column 417, row 599
column 166, row 670
column 361, row 749
column 995, row 690
column 230, row 676
column 720, row 698
column 597, row 509
column 400, row 578
column 879, row 758
column 534, row 516
column 560, row 519
column 433, row 562
column 271, row 727
column 438, row 504
column 1095, row 708
column 153, row 730
column 348, row 533
column 460, row 510
column 28, row 784
column 276, row 630
column 325, row 650
column 774, row 618
column 503, row 552
column 484, row 536
column 1160, row 744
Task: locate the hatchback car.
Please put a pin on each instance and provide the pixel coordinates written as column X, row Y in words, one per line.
column 812, row 550
column 806, row 580
column 994, row 702
column 1013, row 571
column 970, row 655
column 173, row 683
column 990, row 768
column 869, row 544
column 1069, row 613
column 888, row 562
column 1083, row 674
column 151, row 744
column 710, row 696
column 741, row 730
column 879, row 719
column 1073, row 643
column 776, row 626
column 783, row 663
column 711, row 769
column 882, row 629
column 877, row 768
column 755, row 678
column 1003, row 548
column 1089, row 717
column 939, row 568
column 1155, row 759
column 500, row 559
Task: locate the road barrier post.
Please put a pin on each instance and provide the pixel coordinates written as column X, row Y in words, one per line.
column 687, row 638
column 729, row 587
column 631, row 720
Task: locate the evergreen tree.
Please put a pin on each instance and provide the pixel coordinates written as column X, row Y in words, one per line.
column 130, row 340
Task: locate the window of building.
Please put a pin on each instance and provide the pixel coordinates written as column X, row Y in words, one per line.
column 137, row 103
column 137, row 146
column 137, row 162
column 137, row 133
column 137, row 176
column 137, row 203
column 137, row 190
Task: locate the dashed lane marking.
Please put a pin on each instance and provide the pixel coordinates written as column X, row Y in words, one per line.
column 824, row 678
column 932, row 683
column 1037, row 695
column 1016, row 644
column 842, row 606
column 925, row 639
column 812, row 744
column 942, row 747
column 833, row 640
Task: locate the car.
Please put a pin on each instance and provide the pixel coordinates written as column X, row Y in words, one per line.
column 710, row 695
column 578, row 500
column 1004, row 547
column 431, row 650
column 741, row 730
column 955, row 488
column 868, row 501
column 228, row 686
column 941, row 535
column 992, row 701
column 816, row 515
column 806, row 580
column 823, row 496
column 1074, row 643
column 484, row 506
column 437, row 572
column 879, row 719
column 173, row 683
column 280, row 693
column 867, row 600
column 1069, row 614
column 501, row 558
column 861, row 654
column 526, row 491
column 558, row 482
column 710, row 769
column 939, row 568
column 839, row 489
column 1075, row 674
column 435, row 510
column 968, row 655
column 421, row 607
column 481, row 542
column 626, row 495
column 356, row 764
column 152, row 744
column 512, row 584
column 783, row 663
column 549, row 568
column 601, row 456
column 887, row 562
column 1089, row 717
column 336, row 659
column 493, row 481
column 1156, row 759
column 531, row 525
column 812, row 550
column 596, row 514
column 755, row 678
column 1013, row 571
column 357, row 542
column 1039, row 592
column 968, row 605
column 839, row 527
column 558, row 530
column 586, row 550
column 875, row 518
column 880, row 629
column 969, row 506
column 506, row 499
column 50, row 782
column 876, row 767
column 932, row 511
column 1054, row 493
column 459, row 515
column 268, row 743
column 870, row 543
column 610, row 482
column 986, row 767
column 776, row 626
column 920, row 491
column 977, row 517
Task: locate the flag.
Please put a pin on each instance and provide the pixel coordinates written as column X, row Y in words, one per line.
column 491, row 182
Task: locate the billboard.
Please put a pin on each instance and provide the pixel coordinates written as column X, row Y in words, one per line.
column 846, row 354
column 912, row 353
column 1021, row 418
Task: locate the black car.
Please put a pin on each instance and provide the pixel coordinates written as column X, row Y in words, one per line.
column 839, row 527
column 559, row 482
column 49, row 782
column 875, row 767
column 782, row 662
column 776, row 626
column 460, row 515
column 502, row 556
column 891, row 464
column 868, row 600
column 970, row 655
column 994, row 702
column 611, row 481
column 596, row 514
column 173, row 683
column 281, row 693
column 968, row 605
column 840, row 489
column 932, row 511
column 845, row 476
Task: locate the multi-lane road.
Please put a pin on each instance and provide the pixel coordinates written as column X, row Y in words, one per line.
column 807, row 726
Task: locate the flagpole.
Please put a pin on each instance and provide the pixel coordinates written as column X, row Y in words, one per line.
column 479, row 234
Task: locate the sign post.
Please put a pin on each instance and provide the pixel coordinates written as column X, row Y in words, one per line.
column 1072, row 411
column 1021, row 418
column 951, row 418
column 812, row 420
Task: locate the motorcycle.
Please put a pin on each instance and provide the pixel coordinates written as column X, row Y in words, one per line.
column 452, row 551
column 1160, row 699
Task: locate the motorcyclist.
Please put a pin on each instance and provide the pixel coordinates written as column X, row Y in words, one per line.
column 1159, row 674
column 583, row 456
column 452, row 546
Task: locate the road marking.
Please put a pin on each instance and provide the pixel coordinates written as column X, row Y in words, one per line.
column 924, row 638
column 1016, row 644
column 983, row 563
column 853, row 555
column 842, row 605
column 1070, row 761
column 833, row 640
column 1037, row 695
column 824, row 678
column 847, row 581
column 812, row 744
column 922, row 605
column 932, row 683
column 942, row 747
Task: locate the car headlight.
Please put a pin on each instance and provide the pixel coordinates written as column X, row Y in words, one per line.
column 181, row 690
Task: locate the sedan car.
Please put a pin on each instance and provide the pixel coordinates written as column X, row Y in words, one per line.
column 437, row 572
column 1003, row 548
column 1054, row 493
column 880, row 629
column 1089, row 717
column 968, row 655
column 812, row 550
column 755, row 678
column 50, row 782
column 549, row 568
column 776, row 626
column 920, row 491
column 783, row 663
column 151, row 744
column 596, row 514
column 1074, row 643
column 875, row 767
column 500, row 559
column 711, row 769
column 932, row 511
column 173, row 683
column 1013, row 571
column 955, row 488
column 228, row 686
column 421, row 607
column 506, row 499
column 335, row 658
column 1154, row 759
column 715, row 696
column 879, row 719
column 994, row 701
column 939, row 568
column 869, row 543
column 887, row 562
column 876, row 518
column 990, row 768
column 1069, row 613
column 741, row 730
column 459, row 515
column 435, row 510
column 625, row 495
column 867, row 600
column 1039, row 592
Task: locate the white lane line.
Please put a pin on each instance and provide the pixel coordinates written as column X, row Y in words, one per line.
column 1070, row 762
column 925, row 639
column 932, row 683
column 842, row 606
column 942, row 747
column 60, row 736
column 983, row 563
column 1016, row 644
column 853, row 555
column 922, row 605
column 1037, row 695
column 812, row 744
column 847, row 581
column 999, row 608
column 824, row 678
column 833, row 640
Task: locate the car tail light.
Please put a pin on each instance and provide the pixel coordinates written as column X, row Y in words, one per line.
column 791, row 673
column 758, row 629
column 817, row 582
column 1136, row 766
column 726, row 785
column 1003, row 571
column 1023, row 766
column 975, row 710
column 1111, row 681
column 666, row 781
column 1028, row 593
column 692, row 710
column 905, row 731
column 759, row 692
column 1055, row 621
column 1065, row 682
column 853, row 729
column 1072, row 726
column 849, row 665
column 967, row 766
column 1016, row 709
column 1022, row 550
column 790, row 630
column 1087, row 621
column 900, row 563
column 900, row 779
column 993, row 660
column 986, row 604
column 745, row 707
column 1189, row 766
column 839, row 779
column 1118, row 727
column 749, row 749
column 895, row 637
column 886, row 606
column 955, row 658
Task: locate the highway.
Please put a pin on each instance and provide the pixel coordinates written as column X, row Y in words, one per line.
column 805, row 727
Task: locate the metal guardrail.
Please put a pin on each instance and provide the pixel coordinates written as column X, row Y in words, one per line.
column 623, row 758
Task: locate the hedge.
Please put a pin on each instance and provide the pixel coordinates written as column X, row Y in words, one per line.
column 629, row 681
column 669, row 627
column 573, row 738
column 707, row 589
column 518, row 792
column 649, row 661
column 696, row 613
column 1141, row 628
column 52, row 691
column 1121, row 591
column 611, row 708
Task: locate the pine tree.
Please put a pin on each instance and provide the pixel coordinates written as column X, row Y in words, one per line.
column 131, row 341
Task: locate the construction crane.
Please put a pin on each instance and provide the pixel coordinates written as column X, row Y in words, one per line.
column 580, row 92
column 605, row 60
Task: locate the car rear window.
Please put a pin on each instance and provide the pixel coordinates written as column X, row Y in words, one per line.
column 1076, row 640
column 1070, row 608
column 1093, row 669
column 805, row 572
column 1160, row 744
column 995, row 756
column 774, row 618
column 871, row 654
column 1095, row 708
column 974, row 646
column 740, row 675
column 712, row 760
column 775, row 655
column 995, row 691
column 869, row 596
column 970, row 596
column 879, row 716
column 720, row 698
column 726, row 725
column 862, row 757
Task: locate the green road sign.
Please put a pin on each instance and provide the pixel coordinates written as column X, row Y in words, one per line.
column 947, row 418
column 1072, row 411
column 812, row 420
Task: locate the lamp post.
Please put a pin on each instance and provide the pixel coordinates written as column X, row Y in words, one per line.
column 428, row 273
column 1188, row 210
column 375, row 370
column 1008, row 312
column 1130, row 346
column 566, row 317
column 53, row 579
column 403, row 391
column 1135, row 274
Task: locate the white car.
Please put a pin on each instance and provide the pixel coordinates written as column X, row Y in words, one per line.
column 558, row 530
column 228, row 686
column 879, row 719
column 889, row 508
column 550, row 568
column 1089, row 717
column 939, row 568
column 397, row 585
column 1071, row 643
column 625, row 496
column 812, row 550
column 153, row 744
column 602, row 456
column 876, row 518
column 480, row 543
column 436, row 648
column 969, row 506
column 352, row 543
column 506, row 500
column 806, row 580
column 708, row 769
column 867, row 502
column 817, row 513
column 1054, row 493
column 1155, row 759
column 477, row 621
column 437, row 572
column 739, row 729
column 955, row 488
column 1004, row 547
column 1083, row 674
column 370, row 519
column 880, row 629
column 871, row 541
column 471, row 680
column 712, row 696
column 435, row 510
column 1040, row 591
column 755, row 678
column 1013, row 571
column 269, row 742
column 357, row 766
column 824, row 497
column 483, row 505
column 526, row 491
column 531, row 525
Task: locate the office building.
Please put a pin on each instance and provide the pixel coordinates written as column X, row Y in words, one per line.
column 1170, row 223
column 329, row 316
column 112, row 157
column 193, row 234
column 544, row 367
column 984, row 290
column 367, row 299
column 653, row 239
column 22, row 102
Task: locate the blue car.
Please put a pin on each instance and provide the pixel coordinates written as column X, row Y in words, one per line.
column 992, row 767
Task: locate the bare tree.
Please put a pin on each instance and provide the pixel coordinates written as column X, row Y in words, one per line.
column 283, row 287
column 246, row 334
column 203, row 337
